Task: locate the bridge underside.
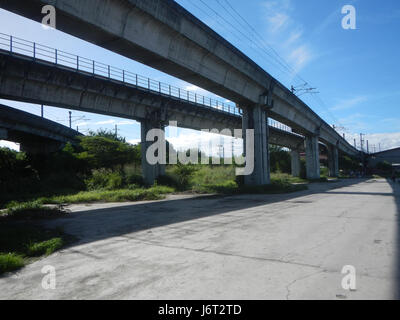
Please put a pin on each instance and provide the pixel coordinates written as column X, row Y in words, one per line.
column 41, row 82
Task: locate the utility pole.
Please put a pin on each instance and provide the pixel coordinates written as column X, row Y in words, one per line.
column 70, row 119
column 116, row 130
column 355, row 144
column 41, row 111
column 362, row 141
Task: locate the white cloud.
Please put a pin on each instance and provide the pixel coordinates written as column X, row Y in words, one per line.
column 287, row 34
column 126, row 123
column 10, row 145
column 111, row 121
column 134, row 141
column 299, row 57
column 349, row 103
column 278, row 21
column 192, row 88
column 385, row 140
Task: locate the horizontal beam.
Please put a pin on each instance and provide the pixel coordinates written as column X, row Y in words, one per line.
column 165, row 36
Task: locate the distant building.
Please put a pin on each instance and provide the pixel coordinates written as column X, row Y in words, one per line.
column 391, row 156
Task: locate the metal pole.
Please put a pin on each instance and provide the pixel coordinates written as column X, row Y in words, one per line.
column 70, row 119
column 41, row 111
column 56, row 53
column 367, row 146
column 34, row 50
column 11, row 44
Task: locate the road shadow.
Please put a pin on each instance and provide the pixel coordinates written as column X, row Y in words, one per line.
column 98, row 224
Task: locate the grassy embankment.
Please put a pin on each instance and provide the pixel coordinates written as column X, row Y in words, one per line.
column 23, row 241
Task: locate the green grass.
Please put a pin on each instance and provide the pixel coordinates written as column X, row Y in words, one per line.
column 29, row 210
column 10, row 262
column 231, row 187
column 21, row 243
column 287, row 178
column 137, row 194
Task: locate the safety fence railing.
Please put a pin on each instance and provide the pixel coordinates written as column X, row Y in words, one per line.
column 81, row 64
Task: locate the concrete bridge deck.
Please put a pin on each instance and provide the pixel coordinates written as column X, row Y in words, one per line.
column 35, row 134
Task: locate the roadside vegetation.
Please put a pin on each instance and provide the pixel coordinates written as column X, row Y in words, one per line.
column 22, row 240
column 102, row 167
column 21, row 243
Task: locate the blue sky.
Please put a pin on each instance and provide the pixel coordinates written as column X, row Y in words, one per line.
column 355, row 71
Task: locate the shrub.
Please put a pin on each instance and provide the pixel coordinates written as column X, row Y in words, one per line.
column 10, row 262
column 168, row 180
column 105, row 179
column 184, row 173
column 384, row 166
column 134, row 179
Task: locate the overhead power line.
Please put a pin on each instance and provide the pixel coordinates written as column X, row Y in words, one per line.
column 244, row 30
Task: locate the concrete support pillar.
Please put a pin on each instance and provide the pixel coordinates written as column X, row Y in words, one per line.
column 312, row 157
column 256, row 118
column 295, row 156
column 333, row 161
column 150, row 172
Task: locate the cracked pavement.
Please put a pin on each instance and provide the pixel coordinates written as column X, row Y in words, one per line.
column 235, row 247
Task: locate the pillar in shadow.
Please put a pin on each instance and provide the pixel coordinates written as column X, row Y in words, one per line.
column 312, row 157
column 333, row 161
column 255, row 118
column 295, row 157
column 150, row 170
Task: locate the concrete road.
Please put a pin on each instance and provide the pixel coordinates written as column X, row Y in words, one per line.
column 242, row 247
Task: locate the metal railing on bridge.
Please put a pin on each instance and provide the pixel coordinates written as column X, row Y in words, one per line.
column 37, row 51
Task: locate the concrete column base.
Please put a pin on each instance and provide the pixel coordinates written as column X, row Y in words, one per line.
column 256, row 118
column 312, row 157
column 333, row 161
column 295, row 157
column 150, row 172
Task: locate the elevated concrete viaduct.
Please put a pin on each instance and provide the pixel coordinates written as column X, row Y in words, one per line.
column 41, row 82
column 35, row 134
column 165, row 36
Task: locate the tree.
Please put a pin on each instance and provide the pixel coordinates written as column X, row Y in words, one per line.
column 109, row 134
column 280, row 160
column 102, row 152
